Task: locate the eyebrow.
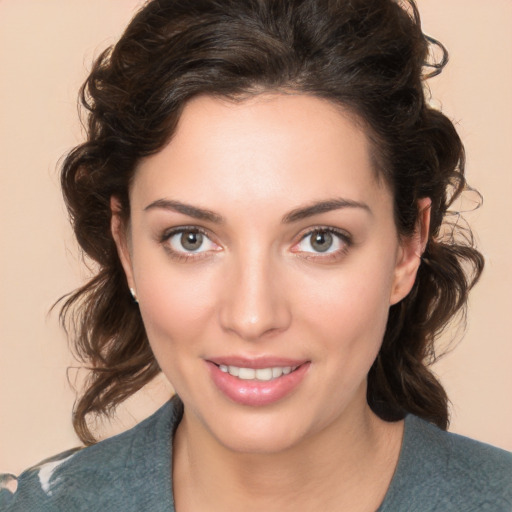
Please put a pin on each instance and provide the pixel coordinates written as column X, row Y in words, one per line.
column 323, row 207
column 186, row 209
column 293, row 216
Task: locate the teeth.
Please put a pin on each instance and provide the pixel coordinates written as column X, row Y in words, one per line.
column 234, row 370
column 246, row 373
column 262, row 374
column 277, row 372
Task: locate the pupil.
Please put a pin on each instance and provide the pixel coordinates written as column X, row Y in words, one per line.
column 191, row 241
column 321, row 241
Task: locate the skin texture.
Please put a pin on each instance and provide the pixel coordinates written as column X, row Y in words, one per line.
column 257, row 287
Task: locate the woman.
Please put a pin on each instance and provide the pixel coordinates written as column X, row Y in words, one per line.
column 263, row 188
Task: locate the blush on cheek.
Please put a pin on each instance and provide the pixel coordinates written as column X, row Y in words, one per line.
column 174, row 306
column 356, row 312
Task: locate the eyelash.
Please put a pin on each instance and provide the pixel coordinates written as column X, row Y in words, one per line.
column 183, row 256
column 344, row 238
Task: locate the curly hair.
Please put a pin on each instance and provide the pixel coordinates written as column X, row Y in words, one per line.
column 371, row 57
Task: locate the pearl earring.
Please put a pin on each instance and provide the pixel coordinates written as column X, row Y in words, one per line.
column 134, row 295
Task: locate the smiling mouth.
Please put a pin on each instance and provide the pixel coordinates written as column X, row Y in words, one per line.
column 259, row 381
column 259, row 374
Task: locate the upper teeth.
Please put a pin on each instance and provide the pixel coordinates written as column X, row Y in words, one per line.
column 256, row 374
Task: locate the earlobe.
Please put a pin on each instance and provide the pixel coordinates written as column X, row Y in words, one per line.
column 410, row 252
column 119, row 234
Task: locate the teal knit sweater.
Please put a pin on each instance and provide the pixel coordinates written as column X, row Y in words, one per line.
column 131, row 472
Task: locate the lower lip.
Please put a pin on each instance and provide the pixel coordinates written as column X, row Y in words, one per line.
column 255, row 392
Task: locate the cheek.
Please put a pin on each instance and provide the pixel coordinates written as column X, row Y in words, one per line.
column 175, row 302
column 350, row 306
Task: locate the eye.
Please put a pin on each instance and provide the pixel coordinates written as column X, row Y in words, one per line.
column 188, row 241
column 320, row 241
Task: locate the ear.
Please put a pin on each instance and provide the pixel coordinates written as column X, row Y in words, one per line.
column 121, row 239
column 410, row 252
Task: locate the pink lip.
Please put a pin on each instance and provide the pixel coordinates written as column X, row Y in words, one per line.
column 253, row 392
column 256, row 362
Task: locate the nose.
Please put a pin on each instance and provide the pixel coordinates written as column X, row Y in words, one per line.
column 254, row 301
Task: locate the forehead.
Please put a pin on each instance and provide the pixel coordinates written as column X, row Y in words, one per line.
column 270, row 147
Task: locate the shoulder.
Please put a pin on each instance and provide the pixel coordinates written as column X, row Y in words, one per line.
column 446, row 471
column 467, row 462
column 115, row 474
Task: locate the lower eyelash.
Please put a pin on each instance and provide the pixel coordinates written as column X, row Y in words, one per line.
column 330, row 256
column 179, row 256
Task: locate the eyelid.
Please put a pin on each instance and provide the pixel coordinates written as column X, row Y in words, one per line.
column 342, row 235
column 185, row 255
column 169, row 232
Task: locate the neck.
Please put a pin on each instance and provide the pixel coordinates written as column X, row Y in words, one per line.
column 347, row 466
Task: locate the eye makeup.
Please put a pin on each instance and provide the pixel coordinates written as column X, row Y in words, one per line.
column 323, row 244
column 188, row 243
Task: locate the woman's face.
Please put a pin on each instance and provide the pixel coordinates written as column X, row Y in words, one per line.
column 264, row 255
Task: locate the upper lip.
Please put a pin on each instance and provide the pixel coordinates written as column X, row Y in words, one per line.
column 256, row 362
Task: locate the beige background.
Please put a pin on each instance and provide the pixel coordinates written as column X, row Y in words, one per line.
column 46, row 48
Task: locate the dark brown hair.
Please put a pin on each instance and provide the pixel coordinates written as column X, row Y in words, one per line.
column 371, row 57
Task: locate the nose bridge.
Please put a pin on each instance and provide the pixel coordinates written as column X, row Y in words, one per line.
column 254, row 304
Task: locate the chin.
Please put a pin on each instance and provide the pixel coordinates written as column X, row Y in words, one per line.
column 264, row 437
column 246, row 429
